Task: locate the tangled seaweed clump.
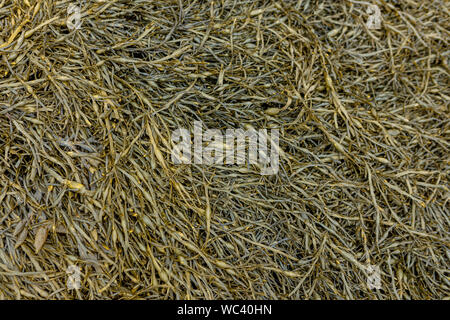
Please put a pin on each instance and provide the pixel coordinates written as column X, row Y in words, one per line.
column 86, row 177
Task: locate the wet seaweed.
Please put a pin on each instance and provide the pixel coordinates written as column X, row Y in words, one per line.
column 86, row 177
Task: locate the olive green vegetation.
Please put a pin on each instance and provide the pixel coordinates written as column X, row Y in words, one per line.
column 86, row 176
